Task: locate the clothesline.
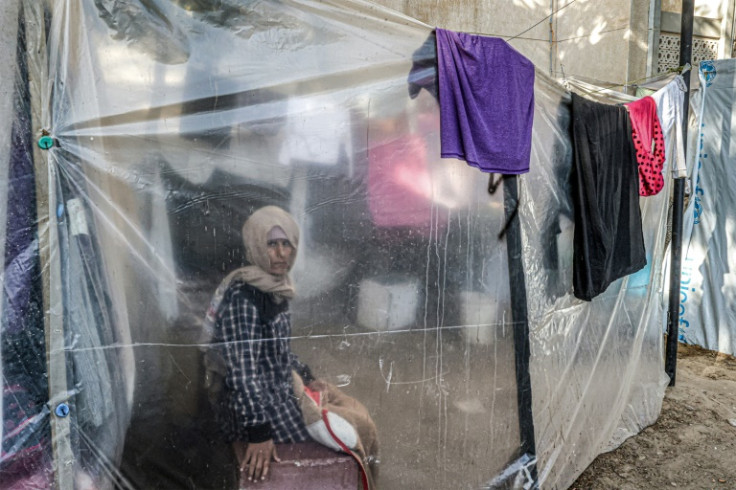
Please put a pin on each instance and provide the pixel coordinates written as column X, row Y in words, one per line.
column 625, row 142
column 507, row 38
column 679, row 70
column 494, row 34
column 487, row 121
column 547, row 17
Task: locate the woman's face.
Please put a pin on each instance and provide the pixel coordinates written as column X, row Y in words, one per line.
column 280, row 251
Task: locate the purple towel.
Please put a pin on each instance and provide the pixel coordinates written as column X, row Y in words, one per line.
column 486, row 102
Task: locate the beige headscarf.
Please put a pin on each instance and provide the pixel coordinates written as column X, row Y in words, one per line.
column 255, row 239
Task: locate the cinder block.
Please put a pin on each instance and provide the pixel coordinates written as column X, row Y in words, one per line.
column 482, row 315
column 309, row 466
column 388, row 305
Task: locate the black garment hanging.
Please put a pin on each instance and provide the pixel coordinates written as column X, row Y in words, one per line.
column 423, row 74
column 608, row 242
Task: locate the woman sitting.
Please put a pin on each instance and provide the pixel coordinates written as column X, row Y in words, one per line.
column 251, row 325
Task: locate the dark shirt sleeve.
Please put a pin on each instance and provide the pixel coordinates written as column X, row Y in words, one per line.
column 301, row 369
column 242, row 335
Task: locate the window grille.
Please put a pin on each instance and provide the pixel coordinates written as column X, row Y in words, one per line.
column 668, row 56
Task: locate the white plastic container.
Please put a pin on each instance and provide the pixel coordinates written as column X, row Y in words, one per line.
column 482, row 317
column 388, row 305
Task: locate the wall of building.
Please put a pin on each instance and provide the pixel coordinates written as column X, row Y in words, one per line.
column 600, row 40
column 500, row 18
column 713, row 32
column 703, row 8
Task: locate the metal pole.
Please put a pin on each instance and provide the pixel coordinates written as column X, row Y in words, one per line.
column 520, row 316
column 686, row 49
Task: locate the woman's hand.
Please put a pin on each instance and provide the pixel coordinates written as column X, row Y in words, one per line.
column 257, row 460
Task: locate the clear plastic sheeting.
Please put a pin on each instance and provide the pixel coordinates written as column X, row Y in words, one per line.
column 174, row 121
column 63, row 394
column 596, row 367
column 164, row 152
column 25, row 432
column 517, row 476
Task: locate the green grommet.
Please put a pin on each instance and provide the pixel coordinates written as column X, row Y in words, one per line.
column 45, row 142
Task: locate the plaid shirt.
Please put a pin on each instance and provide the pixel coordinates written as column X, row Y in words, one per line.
column 253, row 332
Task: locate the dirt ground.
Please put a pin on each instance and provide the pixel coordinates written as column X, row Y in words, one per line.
column 692, row 444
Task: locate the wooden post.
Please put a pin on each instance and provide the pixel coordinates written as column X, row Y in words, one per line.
column 37, row 60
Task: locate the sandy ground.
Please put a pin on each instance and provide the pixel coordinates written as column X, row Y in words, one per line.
column 692, row 444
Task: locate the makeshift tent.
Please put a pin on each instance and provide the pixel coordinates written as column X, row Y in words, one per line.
column 173, row 121
column 707, row 292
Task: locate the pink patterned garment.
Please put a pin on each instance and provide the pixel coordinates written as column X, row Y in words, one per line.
column 649, row 144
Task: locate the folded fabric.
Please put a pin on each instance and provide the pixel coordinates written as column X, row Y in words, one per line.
column 340, row 422
column 648, row 143
column 486, row 102
column 328, row 432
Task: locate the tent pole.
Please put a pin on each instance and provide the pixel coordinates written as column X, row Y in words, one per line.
column 520, row 317
column 686, row 49
column 36, row 58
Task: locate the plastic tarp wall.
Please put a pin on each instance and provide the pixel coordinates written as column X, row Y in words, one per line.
column 25, row 431
column 596, row 367
column 51, row 360
column 708, row 283
column 175, row 120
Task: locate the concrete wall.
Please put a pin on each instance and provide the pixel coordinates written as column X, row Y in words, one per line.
column 500, row 18
column 595, row 39
column 714, row 19
column 703, row 8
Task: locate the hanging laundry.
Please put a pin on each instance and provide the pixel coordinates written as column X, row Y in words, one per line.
column 486, row 102
column 608, row 242
column 318, row 130
column 648, row 143
column 399, row 183
column 669, row 101
column 423, row 73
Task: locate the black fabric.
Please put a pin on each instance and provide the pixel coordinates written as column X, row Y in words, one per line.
column 254, row 333
column 267, row 307
column 267, row 310
column 260, row 433
column 303, row 371
column 423, row 73
column 608, row 242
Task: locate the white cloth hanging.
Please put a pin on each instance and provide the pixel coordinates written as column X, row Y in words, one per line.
column 669, row 100
column 317, row 131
